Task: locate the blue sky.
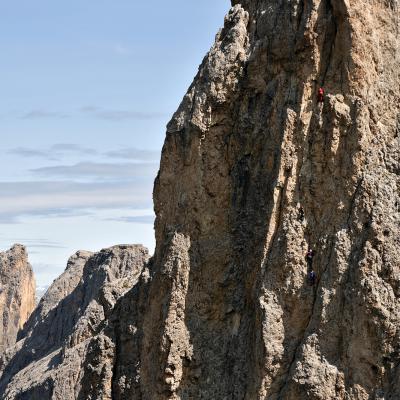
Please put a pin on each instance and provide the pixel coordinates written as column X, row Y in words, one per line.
column 87, row 88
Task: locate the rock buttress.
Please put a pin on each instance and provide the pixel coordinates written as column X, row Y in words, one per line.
column 17, row 294
column 230, row 313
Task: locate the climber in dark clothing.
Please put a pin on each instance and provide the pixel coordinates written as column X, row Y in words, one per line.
column 312, row 277
column 309, row 257
column 301, row 214
column 320, row 96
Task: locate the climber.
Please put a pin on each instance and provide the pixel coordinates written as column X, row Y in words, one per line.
column 321, row 93
column 301, row 214
column 309, row 257
column 312, row 277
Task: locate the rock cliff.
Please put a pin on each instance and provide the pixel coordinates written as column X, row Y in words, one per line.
column 17, row 294
column 265, row 173
column 49, row 358
column 254, row 172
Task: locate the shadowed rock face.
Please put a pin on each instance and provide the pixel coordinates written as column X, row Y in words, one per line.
column 17, row 294
column 48, row 360
column 254, row 172
column 62, row 287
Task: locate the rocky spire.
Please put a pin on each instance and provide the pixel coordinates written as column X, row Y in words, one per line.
column 17, row 294
column 266, row 172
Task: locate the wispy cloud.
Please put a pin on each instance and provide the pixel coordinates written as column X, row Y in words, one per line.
column 134, row 154
column 28, row 152
column 95, row 112
column 59, row 151
column 44, row 114
column 100, row 171
column 36, row 243
column 120, row 115
column 139, row 219
column 77, row 189
column 8, row 218
column 57, row 199
column 53, row 153
column 72, row 148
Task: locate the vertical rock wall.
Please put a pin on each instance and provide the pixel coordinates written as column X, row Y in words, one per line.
column 230, row 312
column 17, row 294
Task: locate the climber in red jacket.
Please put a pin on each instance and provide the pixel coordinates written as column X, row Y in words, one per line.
column 309, row 257
column 321, row 95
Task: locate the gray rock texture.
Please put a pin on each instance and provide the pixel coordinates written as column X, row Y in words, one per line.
column 54, row 348
column 17, row 294
column 254, row 172
column 247, row 152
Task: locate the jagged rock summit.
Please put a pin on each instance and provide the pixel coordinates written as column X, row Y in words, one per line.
column 52, row 351
column 255, row 171
column 17, row 294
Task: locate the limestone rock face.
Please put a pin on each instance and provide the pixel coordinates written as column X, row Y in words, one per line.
column 62, row 287
column 51, row 355
column 17, row 294
column 254, row 172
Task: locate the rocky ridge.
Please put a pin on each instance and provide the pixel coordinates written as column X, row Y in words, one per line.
column 17, row 294
column 47, row 361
